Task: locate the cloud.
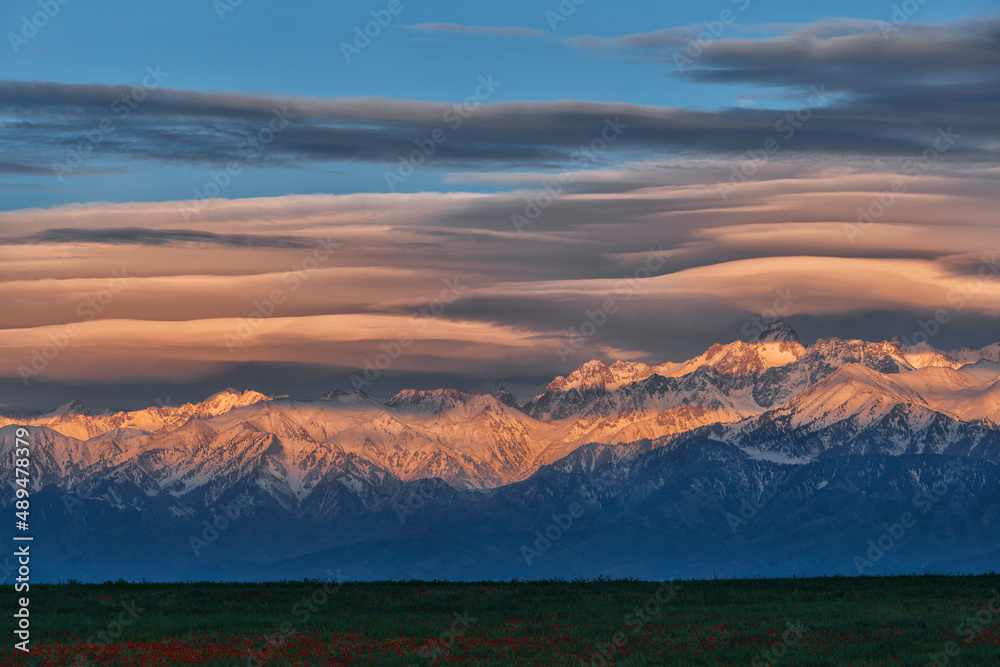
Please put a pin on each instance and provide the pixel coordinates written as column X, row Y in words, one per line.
column 858, row 212
column 157, row 237
column 856, row 93
column 479, row 30
column 845, row 54
column 201, row 129
column 36, row 167
column 791, row 226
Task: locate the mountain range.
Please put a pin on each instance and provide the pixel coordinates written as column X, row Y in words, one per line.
column 755, row 458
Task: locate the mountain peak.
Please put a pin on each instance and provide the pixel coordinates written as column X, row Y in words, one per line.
column 334, row 394
column 596, row 374
column 778, row 332
column 77, row 407
column 230, row 398
column 500, row 392
column 431, row 400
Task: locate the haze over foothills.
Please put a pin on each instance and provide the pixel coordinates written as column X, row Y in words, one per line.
column 190, row 199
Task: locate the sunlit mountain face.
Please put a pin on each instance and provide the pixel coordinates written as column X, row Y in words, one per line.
column 688, row 462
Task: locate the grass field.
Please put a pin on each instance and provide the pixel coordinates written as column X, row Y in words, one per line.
column 834, row 621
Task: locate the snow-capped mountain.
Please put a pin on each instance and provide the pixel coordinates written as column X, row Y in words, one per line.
column 81, row 421
column 777, row 345
column 923, row 354
column 350, row 469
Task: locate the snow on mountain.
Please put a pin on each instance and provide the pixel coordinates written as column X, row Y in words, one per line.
column 79, row 421
column 778, row 384
column 970, row 355
column 651, row 408
column 923, row 354
column 740, row 358
column 777, row 346
column 598, row 375
column 984, row 405
column 984, row 369
column 477, row 439
column 861, row 410
column 938, row 388
column 853, row 392
column 336, row 471
column 778, row 332
column 862, row 394
column 945, row 389
column 224, row 401
column 56, row 458
column 763, row 375
column 291, row 449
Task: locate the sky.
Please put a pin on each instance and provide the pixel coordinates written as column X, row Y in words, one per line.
column 202, row 194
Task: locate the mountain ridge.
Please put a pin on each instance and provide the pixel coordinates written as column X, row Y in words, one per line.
column 635, row 444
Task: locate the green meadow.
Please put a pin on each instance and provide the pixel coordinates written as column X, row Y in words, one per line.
column 909, row 620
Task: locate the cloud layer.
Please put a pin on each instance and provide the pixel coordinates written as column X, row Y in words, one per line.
column 857, row 91
column 861, row 204
column 672, row 268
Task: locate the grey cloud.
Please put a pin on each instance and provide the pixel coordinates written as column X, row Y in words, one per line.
column 159, row 237
column 984, row 264
column 35, row 167
column 21, row 169
column 846, row 54
column 882, row 97
column 479, row 30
